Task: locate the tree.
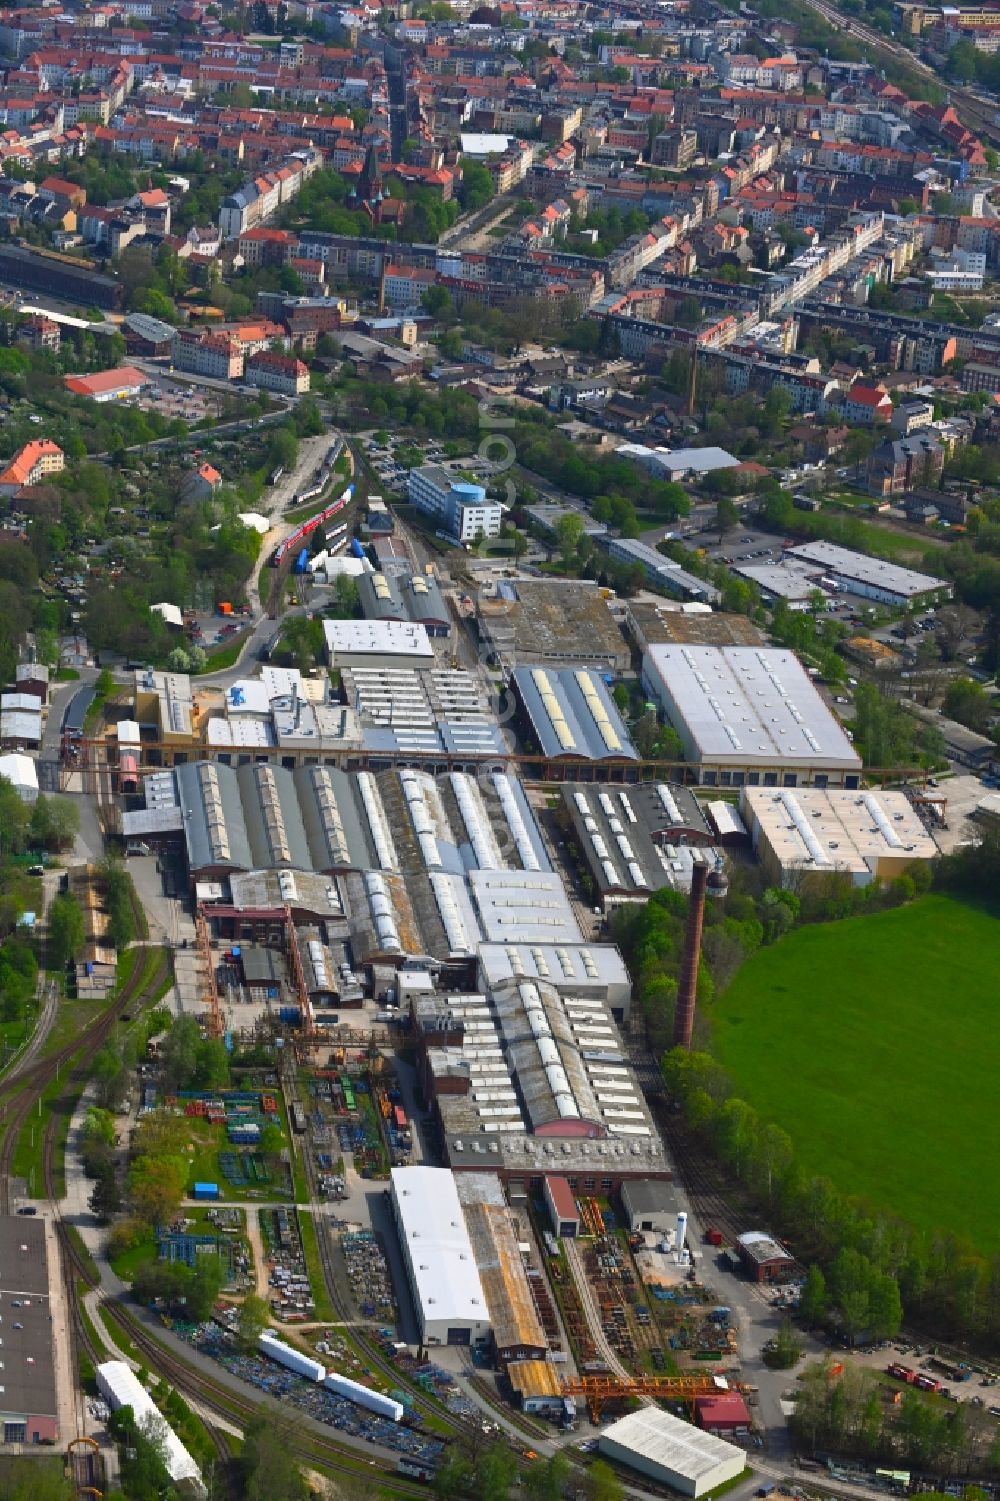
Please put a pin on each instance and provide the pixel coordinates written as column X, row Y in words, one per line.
column 65, row 930
column 812, row 1301
column 496, row 1471
column 568, row 530
column 602, row 1484
column 784, row 1350
column 55, row 822
column 179, row 1053
column 885, row 1308
column 453, row 1476
column 106, row 1199
column 546, row 1480
column 271, row 1471
column 726, row 515
column 251, row 1321
column 645, row 734
column 969, row 703
column 156, row 1187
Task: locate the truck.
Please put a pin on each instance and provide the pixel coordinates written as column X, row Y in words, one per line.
column 225, row 608
column 713, row 1237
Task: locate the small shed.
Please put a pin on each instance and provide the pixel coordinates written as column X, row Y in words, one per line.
column 728, row 825
column 763, row 1258
column 649, row 1205
column 562, row 1208
column 724, row 1413
column 206, row 1191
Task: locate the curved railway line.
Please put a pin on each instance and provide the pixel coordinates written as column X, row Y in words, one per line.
column 223, row 1399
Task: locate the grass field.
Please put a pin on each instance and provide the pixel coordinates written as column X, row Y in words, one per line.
column 874, row 1042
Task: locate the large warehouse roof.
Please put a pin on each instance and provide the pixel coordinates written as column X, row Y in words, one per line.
column 572, row 714
column 501, row 1266
column 445, row 1277
column 615, row 827
column 873, row 572
column 745, row 704
column 669, row 1444
column 819, row 831
column 556, row 621
column 535, row 1060
column 350, row 641
column 28, row 1378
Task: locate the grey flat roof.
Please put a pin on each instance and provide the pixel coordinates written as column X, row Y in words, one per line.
column 783, row 581
column 651, row 1196
column 875, row 572
column 573, row 714
column 738, row 705
column 28, row 1381
column 663, row 570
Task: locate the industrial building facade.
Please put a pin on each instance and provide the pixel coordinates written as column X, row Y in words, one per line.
column 749, row 716
column 440, row 1264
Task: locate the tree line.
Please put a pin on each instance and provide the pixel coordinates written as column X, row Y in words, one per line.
column 868, row 1266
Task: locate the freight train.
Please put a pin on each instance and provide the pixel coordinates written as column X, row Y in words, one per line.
column 296, row 538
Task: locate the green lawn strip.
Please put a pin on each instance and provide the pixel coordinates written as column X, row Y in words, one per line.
column 226, row 655
column 873, row 1042
column 128, row 1262
column 310, row 1249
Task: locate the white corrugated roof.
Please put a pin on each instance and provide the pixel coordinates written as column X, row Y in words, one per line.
column 658, row 1436
column 437, row 1245
column 122, row 1389
column 20, row 770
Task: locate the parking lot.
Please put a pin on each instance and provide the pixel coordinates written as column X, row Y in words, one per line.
column 176, row 398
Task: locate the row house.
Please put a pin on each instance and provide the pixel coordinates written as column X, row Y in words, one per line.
column 260, row 198
column 200, row 352
column 284, row 374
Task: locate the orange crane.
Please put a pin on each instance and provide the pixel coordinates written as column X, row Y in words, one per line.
column 598, row 1390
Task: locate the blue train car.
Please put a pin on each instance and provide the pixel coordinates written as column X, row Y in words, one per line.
column 302, row 561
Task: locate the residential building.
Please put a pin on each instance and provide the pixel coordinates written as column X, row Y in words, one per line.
column 866, row 405
column 282, row 373
column 200, row 352
column 896, row 468
column 30, row 465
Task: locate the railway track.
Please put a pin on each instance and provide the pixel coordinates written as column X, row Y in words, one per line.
column 219, row 1397
column 22, row 1092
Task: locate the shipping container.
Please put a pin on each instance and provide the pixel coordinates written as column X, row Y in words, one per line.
column 399, row 1117
column 292, row 1360
column 386, row 1407
column 206, row 1191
